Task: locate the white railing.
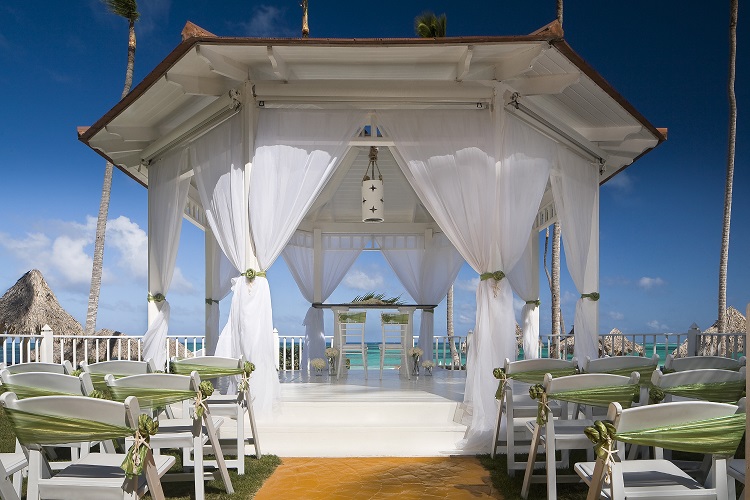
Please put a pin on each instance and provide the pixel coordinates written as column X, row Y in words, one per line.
column 76, row 348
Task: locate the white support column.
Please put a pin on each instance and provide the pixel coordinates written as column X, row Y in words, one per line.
column 211, row 330
column 534, row 249
column 317, row 265
column 152, row 307
column 595, row 253
column 249, row 122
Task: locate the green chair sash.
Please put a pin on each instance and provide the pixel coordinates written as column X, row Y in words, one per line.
column 35, row 428
column 149, row 397
column 718, row 436
column 394, row 319
column 23, row 391
column 600, row 396
column 528, row 377
column 718, row 392
column 205, row 371
column 644, row 371
column 352, row 317
column 97, row 379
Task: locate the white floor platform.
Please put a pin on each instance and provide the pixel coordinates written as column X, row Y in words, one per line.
column 320, row 416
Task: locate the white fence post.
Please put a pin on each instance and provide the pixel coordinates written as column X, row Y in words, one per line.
column 276, row 340
column 693, row 333
column 47, row 350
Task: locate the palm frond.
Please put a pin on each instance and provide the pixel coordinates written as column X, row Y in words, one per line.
column 379, row 298
column 123, row 8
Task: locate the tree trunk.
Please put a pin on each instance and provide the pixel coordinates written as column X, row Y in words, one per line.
column 305, row 26
column 455, row 357
column 101, row 220
column 724, row 259
column 560, row 12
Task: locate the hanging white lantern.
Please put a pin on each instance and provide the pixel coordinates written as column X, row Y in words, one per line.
column 372, row 191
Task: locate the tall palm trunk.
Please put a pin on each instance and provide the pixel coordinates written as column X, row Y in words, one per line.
column 558, row 323
column 305, row 26
column 455, row 357
column 101, row 220
column 730, row 168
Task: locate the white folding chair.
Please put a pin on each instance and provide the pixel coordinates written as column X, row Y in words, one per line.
column 95, row 476
column 232, row 406
column 118, row 368
column 395, row 328
column 187, row 434
column 65, row 367
column 716, row 385
column 11, row 464
column 518, row 406
column 351, row 339
column 587, row 388
column 736, row 470
column 625, row 365
column 659, row 478
column 674, row 364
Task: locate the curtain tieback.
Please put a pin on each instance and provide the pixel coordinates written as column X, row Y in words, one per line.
column 159, row 297
column 251, row 274
column 497, row 276
column 211, row 301
column 594, row 296
column 603, row 435
column 205, row 389
column 536, row 302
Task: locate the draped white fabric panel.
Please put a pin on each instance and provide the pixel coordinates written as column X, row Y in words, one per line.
column 338, row 253
column 427, row 270
column 522, row 280
column 575, row 185
column 296, row 153
column 167, row 195
column 486, row 208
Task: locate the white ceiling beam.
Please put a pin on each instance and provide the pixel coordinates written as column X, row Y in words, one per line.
column 364, row 228
column 197, row 85
column 381, row 91
column 280, row 67
column 464, row 63
column 544, row 84
column 114, row 144
column 629, row 145
column 517, row 63
column 604, row 134
column 223, row 65
column 133, row 133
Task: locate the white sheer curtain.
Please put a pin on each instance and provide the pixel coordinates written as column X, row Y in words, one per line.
column 522, row 280
column 427, row 269
column 296, row 153
column 575, row 185
column 167, row 195
column 338, row 253
column 221, row 284
column 486, row 208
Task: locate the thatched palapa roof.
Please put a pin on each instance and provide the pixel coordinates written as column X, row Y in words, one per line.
column 30, row 304
column 711, row 345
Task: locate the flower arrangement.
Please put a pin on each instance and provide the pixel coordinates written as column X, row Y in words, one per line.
column 428, row 364
column 415, row 352
column 332, row 352
column 318, row 363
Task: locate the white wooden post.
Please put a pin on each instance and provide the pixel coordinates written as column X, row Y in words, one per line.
column 276, row 343
column 693, row 333
column 46, row 353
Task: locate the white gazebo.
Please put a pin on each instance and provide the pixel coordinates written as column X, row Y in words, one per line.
column 482, row 141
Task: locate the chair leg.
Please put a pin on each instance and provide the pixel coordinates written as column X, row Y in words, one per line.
column 198, row 479
column 240, row 440
column 364, row 360
column 253, row 428
column 530, row 463
column 220, row 463
column 496, row 434
column 382, row 359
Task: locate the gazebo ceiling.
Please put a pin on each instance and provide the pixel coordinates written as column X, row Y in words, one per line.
column 552, row 84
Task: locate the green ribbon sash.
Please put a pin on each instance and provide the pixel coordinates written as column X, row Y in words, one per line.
column 717, row 436
column 593, row 396
column 594, row 296
column 251, row 274
column 528, row 377
column 205, row 371
column 352, row 317
column 159, row 297
column 718, row 392
column 394, row 319
column 497, row 276
column 23, row 391
column 35, row 428
column 150, row 397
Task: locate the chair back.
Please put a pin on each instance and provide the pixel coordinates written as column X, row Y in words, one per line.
column 31, row 384
column 352, row 329
column 722, row 386
column 167, row 381
column 121, row 367
column 395, row 327
column 702, row 362
column 65, row 367
column 671, row 414
column 619, row 365
column 213, row 361
column 540, row 365
column 594, row 389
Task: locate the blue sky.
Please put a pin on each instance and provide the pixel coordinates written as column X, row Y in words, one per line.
column 63, row 66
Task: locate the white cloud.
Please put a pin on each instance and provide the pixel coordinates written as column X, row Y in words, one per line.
column 267, row 21
column 648, row 283
column 69, row 259
column 618, row 316
column 469, row 285
column 657, row 326
column 621, row 182
column 359, row 280
column 131, row 243
column 569, row 297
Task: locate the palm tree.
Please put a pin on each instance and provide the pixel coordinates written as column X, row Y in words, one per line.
column 129, row 10
column 428, row 25
column 730, row 167
column 305, row 27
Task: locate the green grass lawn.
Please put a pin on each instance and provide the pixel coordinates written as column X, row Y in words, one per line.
column 256, row 472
